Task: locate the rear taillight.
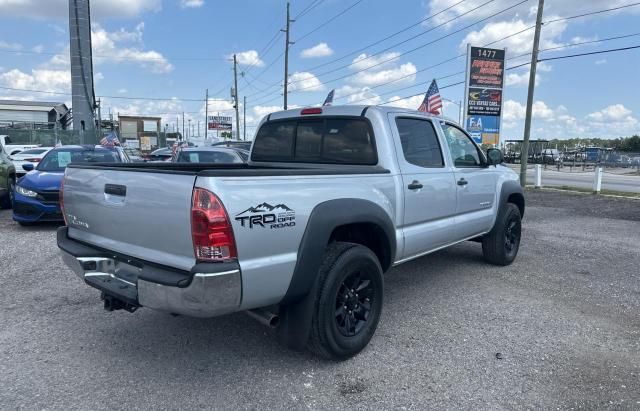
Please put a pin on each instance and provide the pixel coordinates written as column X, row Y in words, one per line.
column 211, row 228
column 61, row 201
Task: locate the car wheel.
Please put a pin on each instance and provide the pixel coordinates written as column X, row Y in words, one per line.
column 348, row 303
column 501, row 245
column 7, row 201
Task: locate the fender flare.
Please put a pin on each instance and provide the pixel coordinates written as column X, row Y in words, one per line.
column 296, row 307
column 508, row 188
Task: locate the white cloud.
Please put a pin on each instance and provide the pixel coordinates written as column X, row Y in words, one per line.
column 561, row 8
column 10, row 46
column 517, row 44
column 122, row 91
column 364, row 61
column 120, row 46
column 60, row 8
column 357, row 95
column 319, row 50
column 600, row 62
column 45, row 80
column 304, row 81
column 191, row 3
column 402, row 74
column 410, row 103
column 248, row 58
column 615, row 112
column 38, row 49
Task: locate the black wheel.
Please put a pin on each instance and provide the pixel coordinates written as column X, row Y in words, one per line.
column 348, row 303
column 7, row 201
column 501, row 245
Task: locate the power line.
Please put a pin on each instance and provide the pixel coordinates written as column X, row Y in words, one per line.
column 310, row 6
column 592, row 13
column 385, row 38
column 102, row 96
column 418, row 47
column 589, row 53
column 329, row 20
column 116, row 57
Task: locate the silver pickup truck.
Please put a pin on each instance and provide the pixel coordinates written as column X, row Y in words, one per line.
column 300, row 236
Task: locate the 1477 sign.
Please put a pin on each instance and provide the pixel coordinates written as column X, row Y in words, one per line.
column 486, row 68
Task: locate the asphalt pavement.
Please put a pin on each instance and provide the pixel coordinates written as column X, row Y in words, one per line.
column 558, row 328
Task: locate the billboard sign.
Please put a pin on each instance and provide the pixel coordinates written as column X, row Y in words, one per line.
column 483, row 93
column 484, row 129
column 484, row 101
column 219, row 123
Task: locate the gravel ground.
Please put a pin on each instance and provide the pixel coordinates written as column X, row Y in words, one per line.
column 558, row 328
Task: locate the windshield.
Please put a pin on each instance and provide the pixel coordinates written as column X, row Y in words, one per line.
column 57, row 160
column 207, row 157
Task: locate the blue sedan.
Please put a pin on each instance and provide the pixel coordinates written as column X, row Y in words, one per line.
column 37, row 193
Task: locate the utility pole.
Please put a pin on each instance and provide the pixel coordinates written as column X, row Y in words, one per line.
column 524, row 151
column 183, row 135
column 287, row 43
column 206, row 114
column 244, row 118
column 235, row 95
column 99, row 119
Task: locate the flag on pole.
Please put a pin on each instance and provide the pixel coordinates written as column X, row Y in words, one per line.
column 329, row 100
column 432, row 102
column 110, row 140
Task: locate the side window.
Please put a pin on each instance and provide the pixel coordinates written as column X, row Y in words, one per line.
column 464, row 152
column 419, row 142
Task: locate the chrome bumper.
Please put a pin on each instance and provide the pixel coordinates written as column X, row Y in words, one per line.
column 207, row 295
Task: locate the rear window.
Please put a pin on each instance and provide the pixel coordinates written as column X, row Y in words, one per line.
column 207, row 157
column 332, row 140
column 57, row 160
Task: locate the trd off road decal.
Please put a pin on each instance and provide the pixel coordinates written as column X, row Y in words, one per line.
column 267, row 216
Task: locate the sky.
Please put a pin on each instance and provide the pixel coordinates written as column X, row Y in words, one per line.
column 369, row 51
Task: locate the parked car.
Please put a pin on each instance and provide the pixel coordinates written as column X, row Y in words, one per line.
column 10, row 149
column 135, row 155
column 300, row 236
column 32, row 155
column 244, row 145
column 161, row 154
column 7, row 180
column 550, row 156
column 37, row 193
column 216, row 155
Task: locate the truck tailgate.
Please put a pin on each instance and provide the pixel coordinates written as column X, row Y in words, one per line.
column 146, row 215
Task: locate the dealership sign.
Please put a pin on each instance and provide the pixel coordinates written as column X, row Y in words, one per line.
column 219, row 123
column 483, row 93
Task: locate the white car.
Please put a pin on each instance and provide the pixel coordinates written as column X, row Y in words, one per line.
column 30, row 156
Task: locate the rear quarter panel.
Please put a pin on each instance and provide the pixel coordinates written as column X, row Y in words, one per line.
column 268, row 253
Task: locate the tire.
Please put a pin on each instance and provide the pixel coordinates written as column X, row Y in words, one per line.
column 25, row 224
column 6, row 202
column 500, row 246
column 338, row 333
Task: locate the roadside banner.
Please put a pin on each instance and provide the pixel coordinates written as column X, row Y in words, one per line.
column 483, row 93
column 219, row 123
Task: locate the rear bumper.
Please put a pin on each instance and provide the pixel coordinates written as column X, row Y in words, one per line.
column 208, row 290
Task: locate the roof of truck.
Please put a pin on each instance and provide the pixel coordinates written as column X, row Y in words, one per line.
column 350, row 110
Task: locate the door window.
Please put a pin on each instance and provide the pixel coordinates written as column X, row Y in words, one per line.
column 419, row 142
column 464, row 152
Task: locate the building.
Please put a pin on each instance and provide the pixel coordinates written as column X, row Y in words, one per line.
column 34, row 114
column 140, row 132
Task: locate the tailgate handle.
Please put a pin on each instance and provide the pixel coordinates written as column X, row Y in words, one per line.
column 115, row 189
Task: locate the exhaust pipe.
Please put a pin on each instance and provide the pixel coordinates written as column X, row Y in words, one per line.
column 264, row 317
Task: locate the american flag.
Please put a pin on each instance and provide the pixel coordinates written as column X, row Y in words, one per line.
column 110, row 140
column 432, row 102
column 329, row 100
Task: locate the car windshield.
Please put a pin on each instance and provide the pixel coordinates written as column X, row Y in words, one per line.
column 208, row 157
column 57, row 160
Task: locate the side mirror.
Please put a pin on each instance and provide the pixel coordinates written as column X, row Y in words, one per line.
column 27, row 167
column 494, row 156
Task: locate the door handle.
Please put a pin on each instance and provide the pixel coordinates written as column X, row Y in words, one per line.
column 115, row 190
column 415, row 185
column 462, row 182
